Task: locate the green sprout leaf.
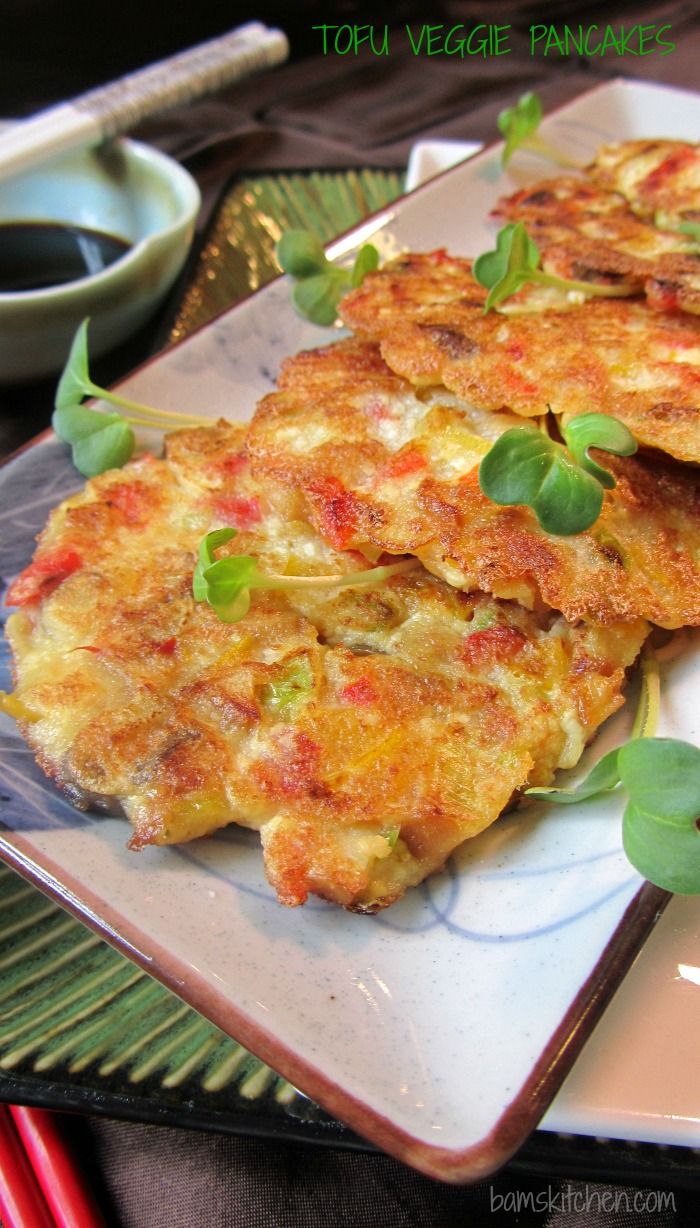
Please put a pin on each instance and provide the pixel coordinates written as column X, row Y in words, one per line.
column 101, row 440
column 661, row 821
column 107, row 448
column 605, row 775
column 516, row 261
column 316, row 298
column 366, row 261
column 206, row 559
column 662, row 776
column 226, row 583
column 665, row 852
column 75, row 382
column 598, row 431
column 518, row 122
column 320, row 284
column 518, row 125
column 300, row 253
column 75, row 422
column 563, row 488
column 660, row 826
column 601, row 779
column 511, row 265
column 528, row 468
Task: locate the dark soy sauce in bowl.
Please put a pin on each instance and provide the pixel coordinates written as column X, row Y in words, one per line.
column 38, row 255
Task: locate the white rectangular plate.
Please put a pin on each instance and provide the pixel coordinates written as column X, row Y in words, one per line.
column 441, row 1029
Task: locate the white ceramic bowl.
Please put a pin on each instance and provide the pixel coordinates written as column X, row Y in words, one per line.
column 126, row 189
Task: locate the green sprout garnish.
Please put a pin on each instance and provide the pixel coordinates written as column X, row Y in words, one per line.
column 563, row 488
column 226, row 584
column 518, row 126
column 101, row 440
column 660, row 826
column 604, row 776
column 320, row 284
column 519, row 122
column 660, row 832
column 602, row 431
column 516, row 262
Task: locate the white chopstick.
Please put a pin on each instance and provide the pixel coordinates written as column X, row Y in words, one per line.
column 110, row 109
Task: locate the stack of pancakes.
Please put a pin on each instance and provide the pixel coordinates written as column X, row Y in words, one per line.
column 367, row 731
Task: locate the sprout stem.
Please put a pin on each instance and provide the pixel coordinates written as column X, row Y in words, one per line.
column 538, row 145
column 146, row 415
column 646, row 717
column 374, row 575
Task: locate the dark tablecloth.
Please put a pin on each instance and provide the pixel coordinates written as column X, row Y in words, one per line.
column 167, row 1178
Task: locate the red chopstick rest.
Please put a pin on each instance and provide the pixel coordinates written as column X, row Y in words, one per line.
column 65, row 1190
column 22, row 1203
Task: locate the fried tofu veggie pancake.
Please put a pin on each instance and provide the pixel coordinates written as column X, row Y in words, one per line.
column 588, row 234
column 365, row 732
column 620, row 358
column 659, row 178
column 372, row 460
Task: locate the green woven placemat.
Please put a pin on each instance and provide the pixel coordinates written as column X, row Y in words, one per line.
column 238, row 255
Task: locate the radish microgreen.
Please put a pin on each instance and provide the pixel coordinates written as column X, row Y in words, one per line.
column 604, row 775
column 660, row 833
column 518, row 126
column 102, row 440
column 516, row 262
column 588, row 431
column 661, row 776
column 320, row 285
column 99, row 440
column 226, row 583
column 563, row 488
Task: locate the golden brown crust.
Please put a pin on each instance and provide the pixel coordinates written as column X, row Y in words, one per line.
column 371, row 461
column 592, row 235
column 364, row 731
column 660, row 179
column 604, row 356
